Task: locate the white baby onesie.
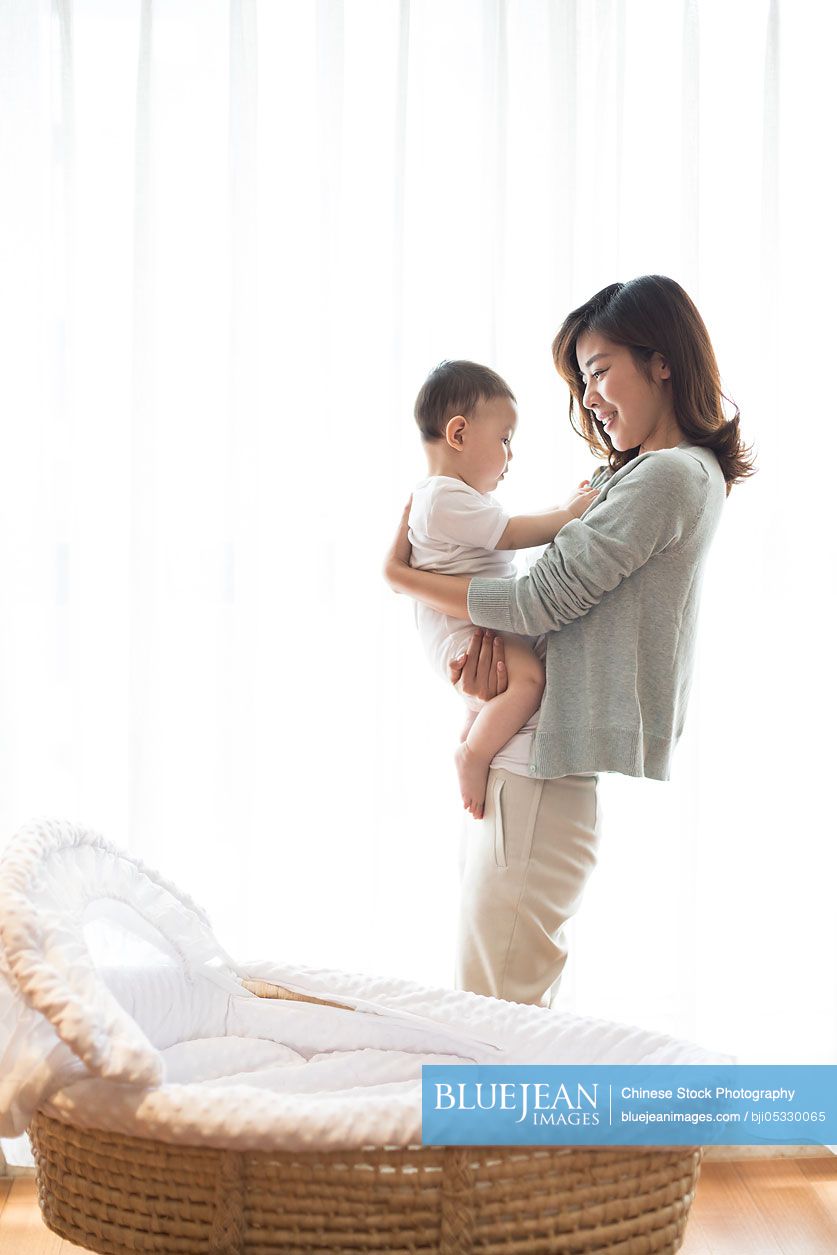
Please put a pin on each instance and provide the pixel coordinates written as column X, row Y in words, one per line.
column 454, row 529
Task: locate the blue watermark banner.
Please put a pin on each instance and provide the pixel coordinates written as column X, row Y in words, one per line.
column 629, row 1105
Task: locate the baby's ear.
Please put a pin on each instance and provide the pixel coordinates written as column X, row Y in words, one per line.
column 455, row 429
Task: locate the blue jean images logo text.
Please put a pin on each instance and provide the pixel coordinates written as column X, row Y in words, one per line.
column 694, row 1104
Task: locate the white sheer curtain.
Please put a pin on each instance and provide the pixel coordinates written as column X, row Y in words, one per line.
column 236, row 236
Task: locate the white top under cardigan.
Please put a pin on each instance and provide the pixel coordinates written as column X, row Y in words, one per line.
column 618, row 592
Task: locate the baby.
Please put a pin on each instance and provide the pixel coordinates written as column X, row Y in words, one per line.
column 467, row 416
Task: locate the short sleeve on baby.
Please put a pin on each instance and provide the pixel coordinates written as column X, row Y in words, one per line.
column 460, row 515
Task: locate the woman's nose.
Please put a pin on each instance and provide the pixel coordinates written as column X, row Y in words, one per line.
column 589, row 392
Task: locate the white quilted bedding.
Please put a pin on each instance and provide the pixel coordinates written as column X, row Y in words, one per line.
column 119, row 1010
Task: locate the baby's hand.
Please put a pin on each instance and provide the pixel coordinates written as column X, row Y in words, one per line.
column 580, row 500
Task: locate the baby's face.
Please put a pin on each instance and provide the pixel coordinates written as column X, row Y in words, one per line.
column 488, row 443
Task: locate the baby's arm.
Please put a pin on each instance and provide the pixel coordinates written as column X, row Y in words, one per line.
column 525, row 530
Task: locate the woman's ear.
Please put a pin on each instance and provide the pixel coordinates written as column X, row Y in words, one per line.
column 455, row 429
column 663, row 368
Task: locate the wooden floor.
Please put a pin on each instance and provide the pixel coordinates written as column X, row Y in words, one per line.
column 753, row 1207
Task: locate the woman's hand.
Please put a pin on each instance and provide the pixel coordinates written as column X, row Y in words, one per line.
column 399, row 553
column 446, row 594
column 483, row 667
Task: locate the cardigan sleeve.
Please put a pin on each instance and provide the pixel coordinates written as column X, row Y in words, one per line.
column 650, row 509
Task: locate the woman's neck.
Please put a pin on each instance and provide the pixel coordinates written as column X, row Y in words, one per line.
column 666, row 435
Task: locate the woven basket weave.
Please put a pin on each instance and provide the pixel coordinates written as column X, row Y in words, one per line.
column 117, row 1194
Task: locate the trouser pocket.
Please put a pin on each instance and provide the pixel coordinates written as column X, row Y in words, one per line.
column 499, row 830
column 513, row 812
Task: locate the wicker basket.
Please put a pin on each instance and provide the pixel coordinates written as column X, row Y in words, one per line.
column 117, row 1194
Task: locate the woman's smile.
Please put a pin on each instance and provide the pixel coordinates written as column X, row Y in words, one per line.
column 644, row 418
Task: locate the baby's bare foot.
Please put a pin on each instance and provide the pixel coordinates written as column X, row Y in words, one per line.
column 473, row 779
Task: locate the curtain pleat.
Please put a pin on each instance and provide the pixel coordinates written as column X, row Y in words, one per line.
column 690, row 149
column 144, row 539
column 770, row 244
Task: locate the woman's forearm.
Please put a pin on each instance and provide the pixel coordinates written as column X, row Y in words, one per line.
column 446, row 593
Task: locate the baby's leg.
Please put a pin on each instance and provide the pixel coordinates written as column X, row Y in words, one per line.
column 498, row 721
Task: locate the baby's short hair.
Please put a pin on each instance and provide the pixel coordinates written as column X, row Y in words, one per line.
column 455, row 388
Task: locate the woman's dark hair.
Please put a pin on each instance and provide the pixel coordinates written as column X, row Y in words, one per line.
column 653, row 314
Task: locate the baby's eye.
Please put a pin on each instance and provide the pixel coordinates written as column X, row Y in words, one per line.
column 506, row 440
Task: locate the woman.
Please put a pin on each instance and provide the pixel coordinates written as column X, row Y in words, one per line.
column 618, row 593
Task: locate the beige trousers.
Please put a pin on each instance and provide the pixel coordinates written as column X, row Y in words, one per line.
column 523, row 871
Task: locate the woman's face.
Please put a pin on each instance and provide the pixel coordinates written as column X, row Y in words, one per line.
column 636, row 412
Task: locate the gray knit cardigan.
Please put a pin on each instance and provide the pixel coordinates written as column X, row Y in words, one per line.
column 618, row 593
